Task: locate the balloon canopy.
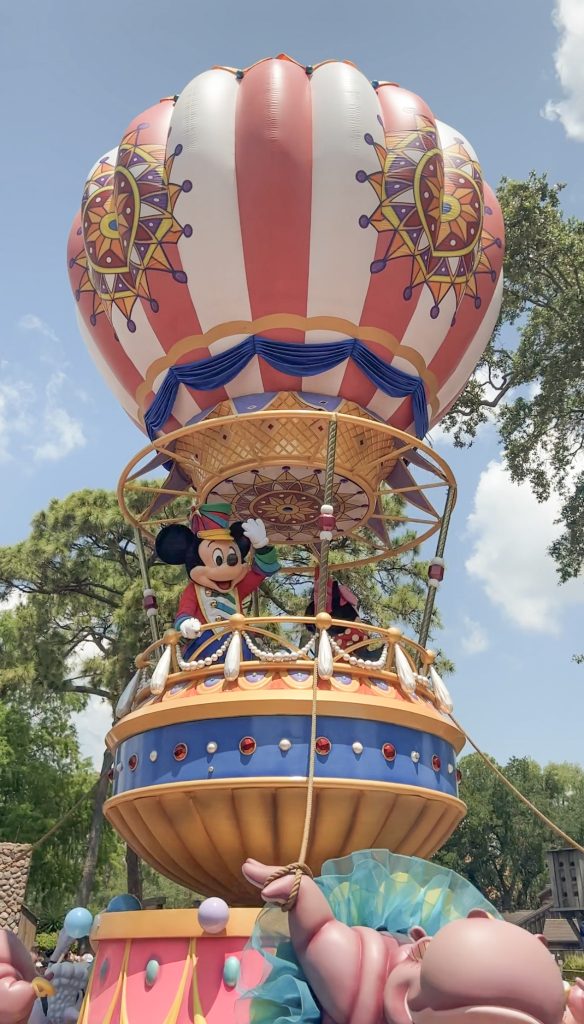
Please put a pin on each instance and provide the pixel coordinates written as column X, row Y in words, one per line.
column 287, row 229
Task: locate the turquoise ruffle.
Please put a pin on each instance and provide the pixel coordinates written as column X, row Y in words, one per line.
column 375, row 888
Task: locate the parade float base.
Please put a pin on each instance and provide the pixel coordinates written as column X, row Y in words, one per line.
column 160, row 967
column 196, row 820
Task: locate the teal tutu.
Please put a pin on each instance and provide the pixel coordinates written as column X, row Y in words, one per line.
column 375, row 888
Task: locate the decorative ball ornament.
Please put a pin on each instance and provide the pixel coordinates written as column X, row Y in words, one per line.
column 153, row 755
column 213, row 915
column 211, row 747
column 78, row 922
column 151, row 973
column 285, row 745
column 123, row 902
column 231, row 971
column 357, row 748
column 415, row 756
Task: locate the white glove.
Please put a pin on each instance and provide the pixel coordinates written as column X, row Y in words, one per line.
column 190, row 628
column 255, row 532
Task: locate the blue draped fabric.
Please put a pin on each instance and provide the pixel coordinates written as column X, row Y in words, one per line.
column 293, row 359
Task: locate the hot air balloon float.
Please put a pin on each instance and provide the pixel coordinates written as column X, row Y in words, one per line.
column 287, row 274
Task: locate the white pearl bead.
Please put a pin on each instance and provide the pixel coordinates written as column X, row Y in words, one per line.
column 208, row 661
column 357, row 747
column 285, row 744
column 415, row 756
column 153, row 755
column 450, row 769
column 352, row 660
column 212, row 747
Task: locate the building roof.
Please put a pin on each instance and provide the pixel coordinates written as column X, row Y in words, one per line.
column 557, row 931
column 518, row 916
column 14, row 869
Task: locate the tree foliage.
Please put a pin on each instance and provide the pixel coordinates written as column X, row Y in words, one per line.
column 535, row 388
column 500, row 846
column 42, row 775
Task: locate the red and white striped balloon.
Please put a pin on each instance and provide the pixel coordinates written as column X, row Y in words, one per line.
column 298, row 204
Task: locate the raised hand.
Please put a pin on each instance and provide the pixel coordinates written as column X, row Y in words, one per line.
column 255, row 532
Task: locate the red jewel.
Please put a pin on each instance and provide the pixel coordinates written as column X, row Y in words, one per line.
column 436, row 763
column 110, row 775
column 323, row 746
column 458, row 775
column 180, row 751
column 247, row 745
column 133, row 762
column 388, row 750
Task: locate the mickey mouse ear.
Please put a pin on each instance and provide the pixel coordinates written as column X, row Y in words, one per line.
column 173, row 543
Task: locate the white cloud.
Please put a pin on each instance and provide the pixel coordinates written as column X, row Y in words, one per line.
column 61, row 432
column 92, row 724
column 475, row 639
column 569, row 63
column 32, row 322
column 511, row 533
column 66, row 434
column 16, row 399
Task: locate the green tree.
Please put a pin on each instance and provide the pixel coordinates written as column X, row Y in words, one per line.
column 535, row 386
column 79, row 576
column 501, row 846
column 42, row 775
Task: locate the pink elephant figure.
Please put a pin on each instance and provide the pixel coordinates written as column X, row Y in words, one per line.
column 476, row 970
column 19, row 984
column 575, row 1005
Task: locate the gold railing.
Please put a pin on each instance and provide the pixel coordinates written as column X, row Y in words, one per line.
column 372, row 656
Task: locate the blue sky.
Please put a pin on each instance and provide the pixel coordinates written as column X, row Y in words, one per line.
column 73, row 75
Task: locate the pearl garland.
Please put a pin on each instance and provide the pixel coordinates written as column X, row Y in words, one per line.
column 363, row 662
column 275, row 656
column 211, row 659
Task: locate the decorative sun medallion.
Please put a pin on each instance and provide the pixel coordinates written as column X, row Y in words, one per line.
column 288, row 499
column 128, row 226
column 431, row 211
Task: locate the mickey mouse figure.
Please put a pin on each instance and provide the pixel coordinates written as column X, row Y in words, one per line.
column 213, row 553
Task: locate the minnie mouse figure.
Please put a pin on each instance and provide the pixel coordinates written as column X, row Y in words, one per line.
column 213, row 553
column 342, row 603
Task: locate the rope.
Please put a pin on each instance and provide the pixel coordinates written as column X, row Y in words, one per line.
column 29, row 848
column 299, row 868
column 513, row 789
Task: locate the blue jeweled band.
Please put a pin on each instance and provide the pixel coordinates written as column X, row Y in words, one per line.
column 148, row 759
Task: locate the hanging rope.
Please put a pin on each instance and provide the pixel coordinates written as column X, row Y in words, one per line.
column 29, row 848
column 513, row 789
column 299, row 867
